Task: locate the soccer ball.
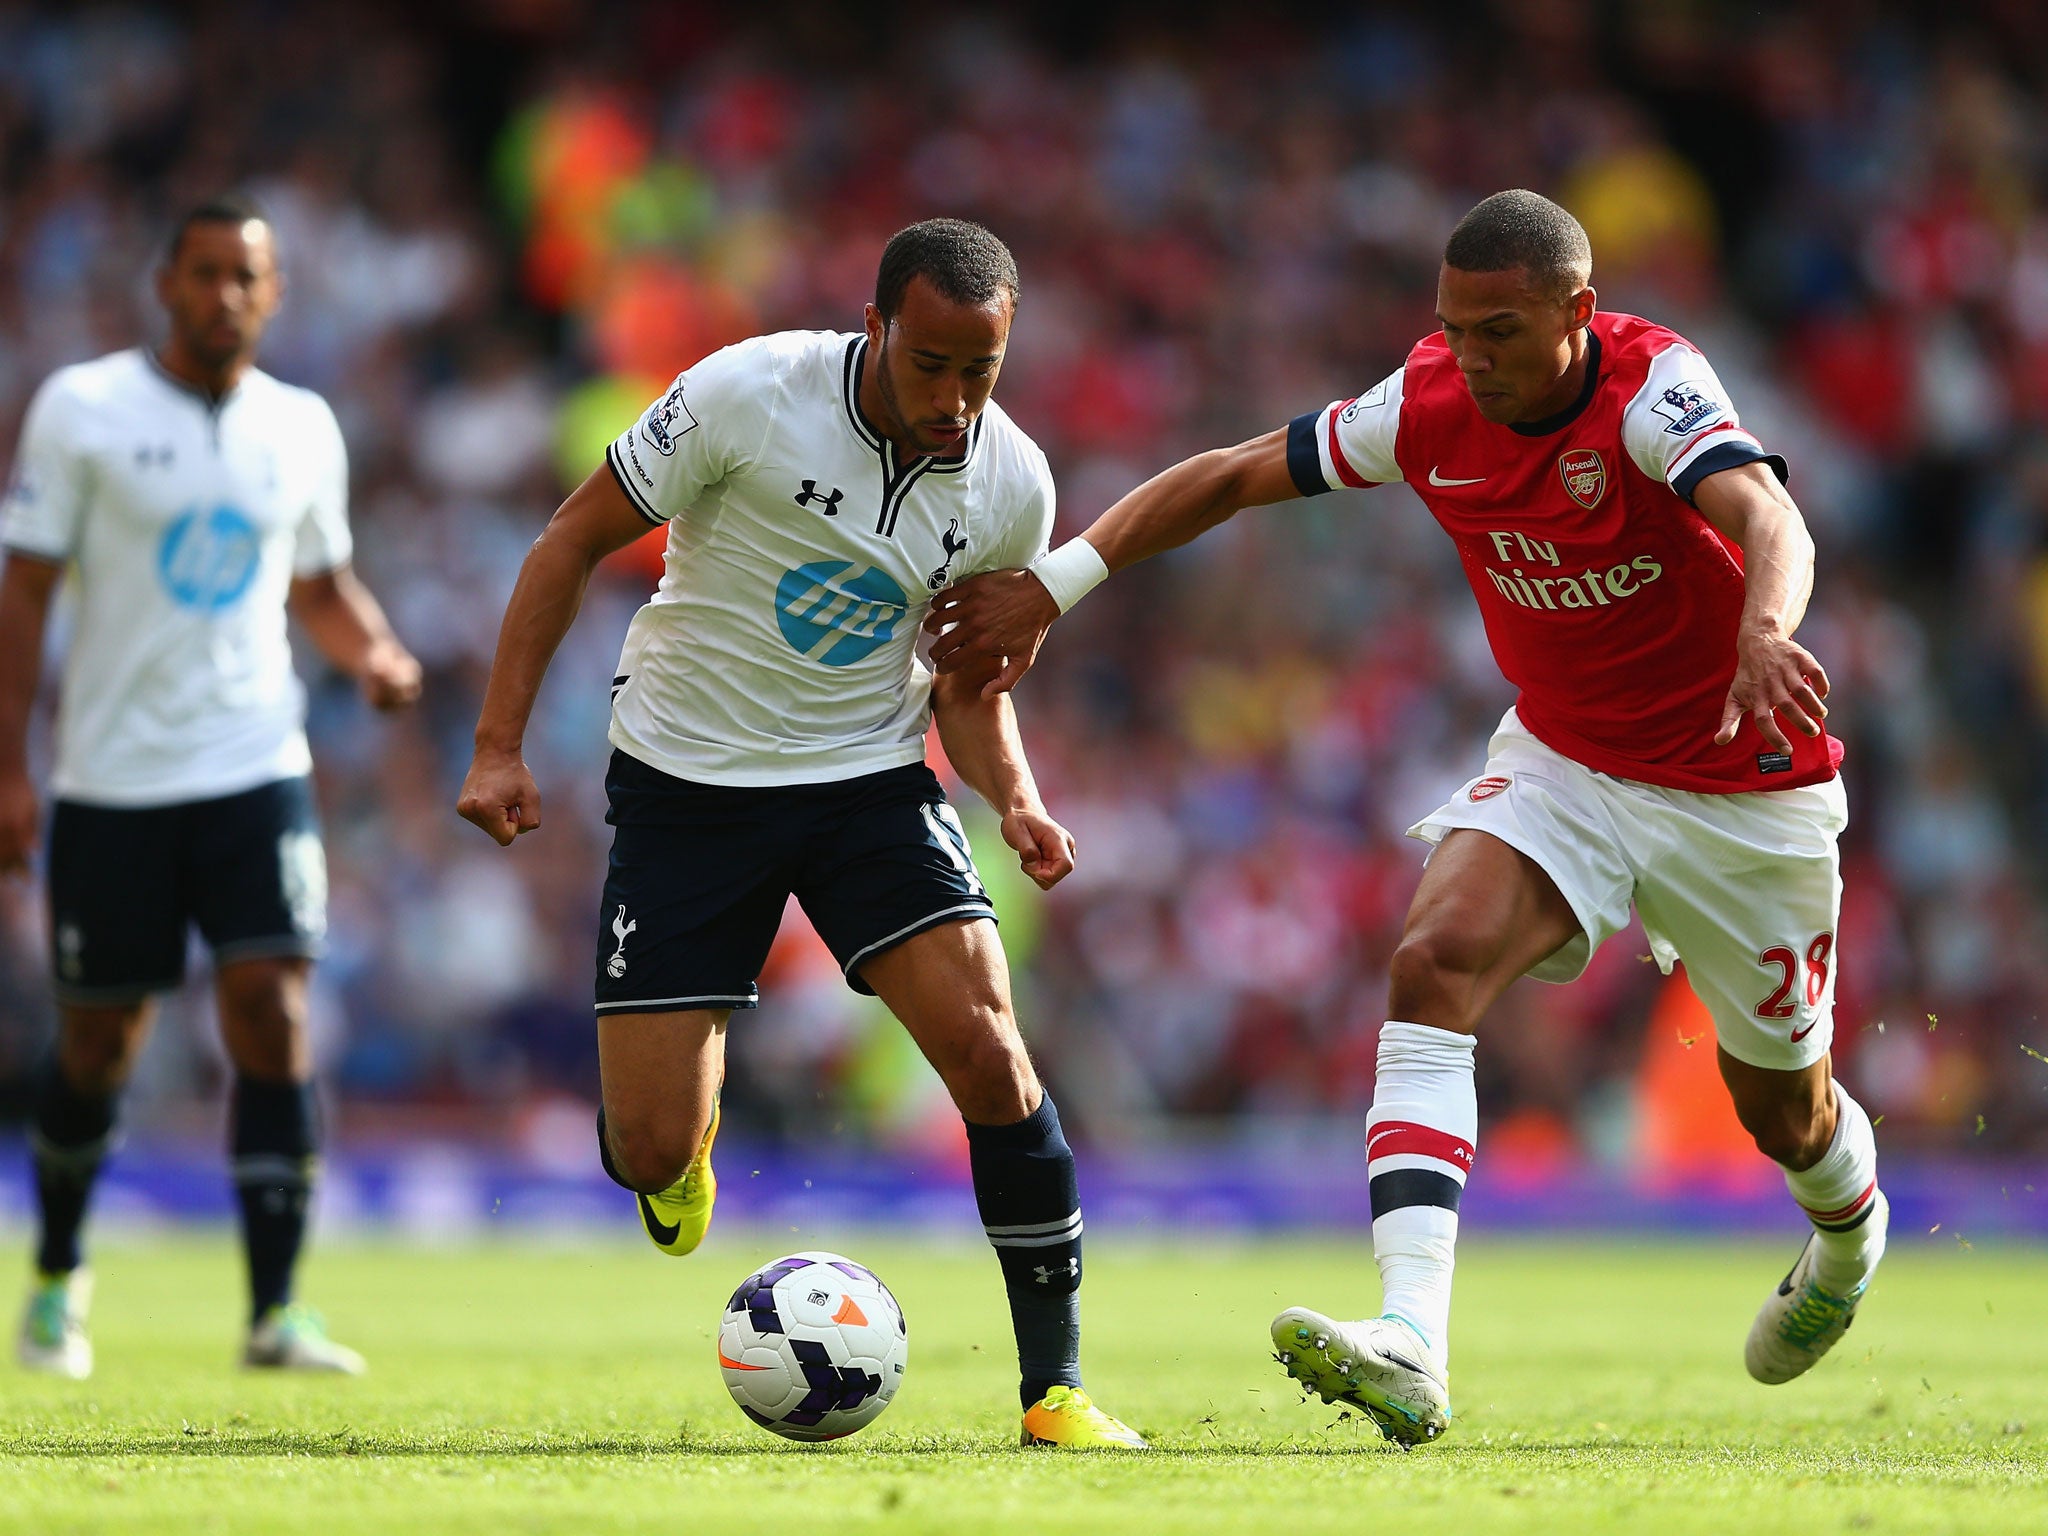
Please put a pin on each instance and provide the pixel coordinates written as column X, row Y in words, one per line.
column 812, row 1346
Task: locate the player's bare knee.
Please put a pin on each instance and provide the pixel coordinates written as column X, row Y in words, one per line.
column 649, row 1157
column 266, row 994
column 263, row 1017
column 269, row 1046
column 98, row 1048
column 1780, row 1143
column 1432, row 979
column 990, row 1075
column 648, row 1170
column 96, row 1071
column 1807, row 1144
column 1792, row 1135
column 258, row 1013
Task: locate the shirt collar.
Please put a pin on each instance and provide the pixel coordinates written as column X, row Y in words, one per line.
column 1572, row 412
column 185, row 386
column 849, row 384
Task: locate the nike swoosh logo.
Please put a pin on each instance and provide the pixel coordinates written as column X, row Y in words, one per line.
column 738, row 1365
column 1800, row 1034
column 663, row 1235
column 1785, row 1285
column 1435, row 478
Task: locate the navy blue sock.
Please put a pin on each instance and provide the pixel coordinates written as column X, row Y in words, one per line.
column 274, row 1142
column 604, row 1155
column 1031, row 1208
column 69, row 1140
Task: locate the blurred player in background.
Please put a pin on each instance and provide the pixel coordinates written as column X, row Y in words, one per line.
column 195, row 499
column 1641, row 571
column 769, row 717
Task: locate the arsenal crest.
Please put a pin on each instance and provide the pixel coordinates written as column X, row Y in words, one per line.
column 1584, row 475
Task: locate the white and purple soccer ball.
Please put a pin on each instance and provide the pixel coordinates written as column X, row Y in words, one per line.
column 812, row 1346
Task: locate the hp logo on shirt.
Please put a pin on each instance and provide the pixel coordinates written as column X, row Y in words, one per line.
column 835, row 617
column 208, row 559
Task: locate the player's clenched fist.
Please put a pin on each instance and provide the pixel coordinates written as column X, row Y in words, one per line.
column 1045, row 849
column 500, row 796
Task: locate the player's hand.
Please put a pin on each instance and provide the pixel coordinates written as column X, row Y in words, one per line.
column 391, row 676
column 1045, row 849
column 1774, row 675
column 500, row 796
column 999, row 617
column 18, row 820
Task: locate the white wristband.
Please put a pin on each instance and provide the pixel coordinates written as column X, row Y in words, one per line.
column 1070, row 572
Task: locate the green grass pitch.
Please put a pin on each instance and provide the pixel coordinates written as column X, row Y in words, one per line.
column 572, row 1387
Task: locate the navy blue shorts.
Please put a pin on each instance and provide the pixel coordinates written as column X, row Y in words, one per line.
column 127, row 884
column 700, row 874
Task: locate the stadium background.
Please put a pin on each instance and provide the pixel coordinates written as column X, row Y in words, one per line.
column 504, row 225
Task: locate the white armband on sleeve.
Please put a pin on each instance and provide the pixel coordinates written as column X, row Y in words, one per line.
column 1070, row 572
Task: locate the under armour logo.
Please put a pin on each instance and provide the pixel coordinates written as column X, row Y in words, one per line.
column 810, row 494
column 620, row 927
column 1066, row 1271
column 954, row 544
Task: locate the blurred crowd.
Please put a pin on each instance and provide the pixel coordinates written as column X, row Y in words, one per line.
column 505, row 225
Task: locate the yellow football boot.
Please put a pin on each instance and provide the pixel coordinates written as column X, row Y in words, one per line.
column 1065, row 1417
column 677, row 1218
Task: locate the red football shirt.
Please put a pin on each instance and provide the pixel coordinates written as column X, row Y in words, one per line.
column 1611, row 604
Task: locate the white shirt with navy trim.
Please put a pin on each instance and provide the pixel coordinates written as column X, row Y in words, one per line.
column 1680, row 426
column 781, row 644
column 184, row 521
column 1356, row 444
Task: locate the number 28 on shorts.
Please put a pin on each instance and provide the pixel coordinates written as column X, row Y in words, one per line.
column 1788, row 961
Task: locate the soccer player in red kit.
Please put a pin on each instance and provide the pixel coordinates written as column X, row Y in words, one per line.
column 1640, row 570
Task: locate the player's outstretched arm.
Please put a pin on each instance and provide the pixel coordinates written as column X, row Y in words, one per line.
column 25, row 589
column 1001, row 617
column 1774, row 675
column 499, row 794
column 981, row 741
column 347, row 623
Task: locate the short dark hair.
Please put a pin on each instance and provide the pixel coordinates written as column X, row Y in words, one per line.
column 965, row 262
column 224, row 208
column 1523, row 229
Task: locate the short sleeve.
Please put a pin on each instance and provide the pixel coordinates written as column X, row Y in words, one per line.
column 1027, row 532
column 1681, row 426
column 46, row 493
column 323, row 542
column 710, row 422
column 1347, row 442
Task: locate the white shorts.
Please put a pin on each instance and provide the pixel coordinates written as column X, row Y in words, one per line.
column 1744, row 888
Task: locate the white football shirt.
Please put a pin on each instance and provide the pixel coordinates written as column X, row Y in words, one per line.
column 780, row 647
column 184, row 522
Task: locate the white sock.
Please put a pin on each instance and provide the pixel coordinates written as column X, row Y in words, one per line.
column 1418, row 1150
column 1840, row 1197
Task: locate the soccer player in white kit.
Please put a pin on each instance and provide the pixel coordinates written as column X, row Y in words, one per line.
column 769, row 716
column 1640, row 570
column 192, row 499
